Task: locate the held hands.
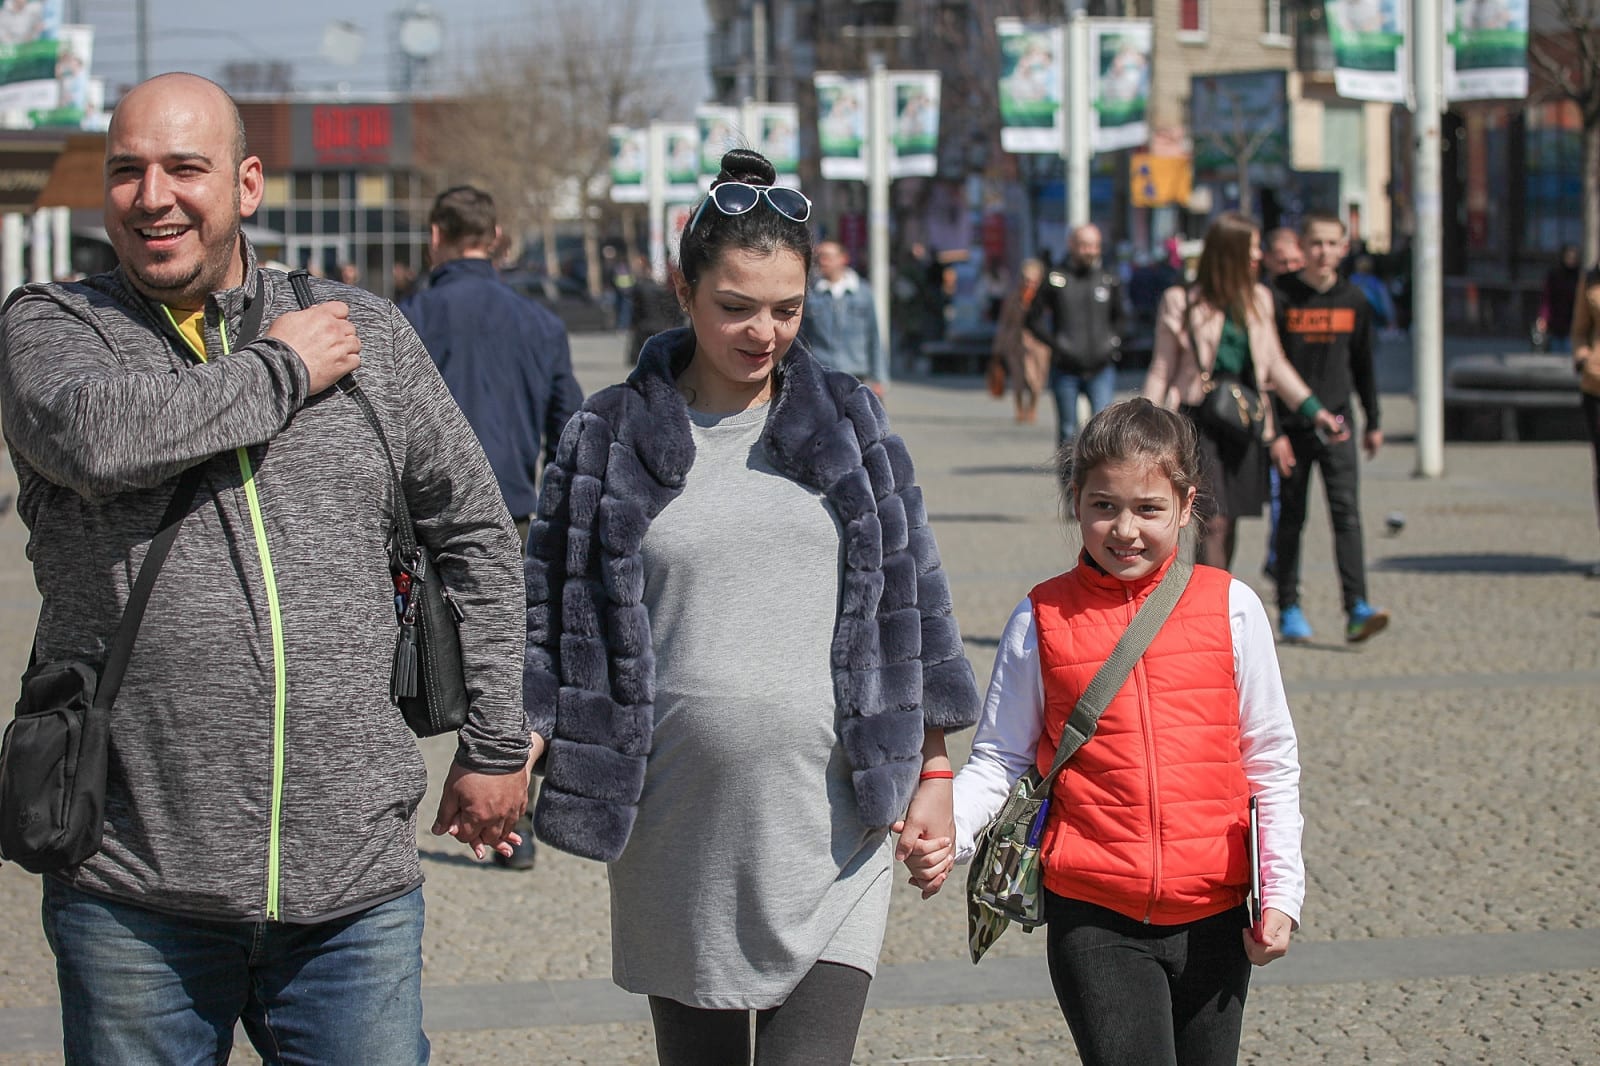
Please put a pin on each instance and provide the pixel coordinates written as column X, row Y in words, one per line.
column 1270, row 938
column 928, row 835
column 480, row 810
column 323, row 338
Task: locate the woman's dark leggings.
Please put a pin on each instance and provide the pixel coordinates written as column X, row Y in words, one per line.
column 815, row 1026
column 1148, row 994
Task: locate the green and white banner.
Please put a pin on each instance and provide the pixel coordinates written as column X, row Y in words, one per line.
column 630, row 164
column 1031, row 60
column 681, row 155
column 75, row 105
column 1486, row 51
column 842, row 126
column 777, row 136
column 1120, row 52
column 913, row 123
column 1369, row 48
column 29, row 43
column 719, row 131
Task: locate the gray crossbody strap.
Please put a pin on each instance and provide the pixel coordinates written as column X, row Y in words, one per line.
column 1108, row 680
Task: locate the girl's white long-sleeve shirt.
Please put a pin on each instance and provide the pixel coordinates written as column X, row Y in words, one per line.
column 1007, row 741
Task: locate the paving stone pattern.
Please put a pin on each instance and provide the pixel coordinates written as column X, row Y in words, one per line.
column 1451, row 788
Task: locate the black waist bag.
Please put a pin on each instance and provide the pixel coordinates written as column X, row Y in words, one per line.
column 54, row 756
column 428, row 678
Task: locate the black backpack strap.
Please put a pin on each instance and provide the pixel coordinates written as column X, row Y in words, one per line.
column 405, row 536
column 121, row 651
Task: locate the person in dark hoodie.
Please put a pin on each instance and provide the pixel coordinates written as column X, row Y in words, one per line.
column 1083, row 302
column 1326, row 326
column 506, row 361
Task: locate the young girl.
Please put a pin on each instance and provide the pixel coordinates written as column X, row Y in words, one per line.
column 741, row 649
column 1145, row 859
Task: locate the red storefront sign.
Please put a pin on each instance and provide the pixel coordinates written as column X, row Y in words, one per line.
column 351, row 134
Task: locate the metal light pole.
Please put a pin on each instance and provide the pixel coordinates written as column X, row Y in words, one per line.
column 655, row 176
column 1427, row 320
column 878, row 193
column 1077, row 87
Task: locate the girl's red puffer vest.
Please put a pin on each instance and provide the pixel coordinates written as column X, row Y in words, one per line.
column 1149, row 818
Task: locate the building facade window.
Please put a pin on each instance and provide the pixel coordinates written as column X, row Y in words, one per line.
column 1276, row 19
column 1191, row 18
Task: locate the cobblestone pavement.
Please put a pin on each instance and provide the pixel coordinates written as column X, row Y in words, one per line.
column 1451, row 789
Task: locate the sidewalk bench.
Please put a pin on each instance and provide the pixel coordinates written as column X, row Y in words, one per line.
column 1511, row 396
column 959, row 353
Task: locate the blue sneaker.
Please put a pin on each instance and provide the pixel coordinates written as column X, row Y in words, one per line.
column 1365, row 621
column 1293, row 627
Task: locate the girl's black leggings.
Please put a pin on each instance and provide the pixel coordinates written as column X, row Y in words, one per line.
column 1150, row 994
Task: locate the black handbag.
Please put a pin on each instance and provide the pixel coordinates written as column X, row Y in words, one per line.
column 427, row 679
column 1231, row 410
column 55, row 753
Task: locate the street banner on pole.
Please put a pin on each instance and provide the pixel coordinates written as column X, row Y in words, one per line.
column 1486, row 50
column 914, row 123
column 73, row 101
column 777, row 129
column 1120, row 48
column 682, row 156
column 719, row 131
column 29, row 42
column 677, row 219
column 630, row 161
column 1031, row 58
column 842, row 126
column 1369, row 49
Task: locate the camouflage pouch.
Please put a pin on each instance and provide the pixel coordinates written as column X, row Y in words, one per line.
column 1003, row 882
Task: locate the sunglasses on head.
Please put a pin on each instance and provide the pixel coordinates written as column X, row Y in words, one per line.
column 737, row 197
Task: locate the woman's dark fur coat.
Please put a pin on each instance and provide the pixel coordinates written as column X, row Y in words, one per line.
column 589, row 678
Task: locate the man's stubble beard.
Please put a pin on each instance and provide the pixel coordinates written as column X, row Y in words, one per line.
column 212, row 266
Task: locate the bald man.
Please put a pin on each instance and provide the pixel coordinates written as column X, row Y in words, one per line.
column 1079, row 313
column 259, row 857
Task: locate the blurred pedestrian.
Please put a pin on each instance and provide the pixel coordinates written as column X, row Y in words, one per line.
column 1079, row 313
column 1557, row 301
column 1024, row 357
column 1281, row 254
column 349, row 273
column 840, row 325
column 1142, row 866
column 1586, row 361
column 741, row 645
column 1327, row 330
column 654, row 310
column 1364, row 278
column 1225, row 324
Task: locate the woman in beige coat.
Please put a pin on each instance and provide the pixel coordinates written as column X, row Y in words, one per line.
column 1226, row 323
column 1025, row 357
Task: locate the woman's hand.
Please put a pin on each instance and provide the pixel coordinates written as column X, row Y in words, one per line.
column 1270, row 938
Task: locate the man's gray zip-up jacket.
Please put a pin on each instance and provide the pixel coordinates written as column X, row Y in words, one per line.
column 258, row 769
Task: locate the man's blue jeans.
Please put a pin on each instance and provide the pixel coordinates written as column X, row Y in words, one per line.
column 139, row 987
column 1100, row 387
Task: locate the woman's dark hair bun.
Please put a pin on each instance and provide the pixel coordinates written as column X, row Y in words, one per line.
column 752, row 168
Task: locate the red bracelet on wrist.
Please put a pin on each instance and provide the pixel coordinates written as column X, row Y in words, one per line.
column 937, row 775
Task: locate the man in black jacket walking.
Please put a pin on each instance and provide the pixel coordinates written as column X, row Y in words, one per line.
column 1084, row 304
column 506, row 361
column 1326, row 326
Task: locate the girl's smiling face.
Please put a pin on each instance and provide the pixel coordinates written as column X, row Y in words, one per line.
column 745, row 311
column 1131, row 514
